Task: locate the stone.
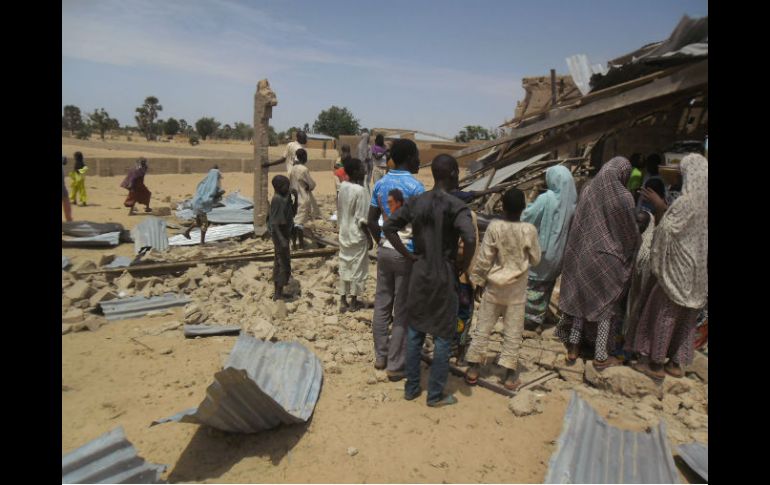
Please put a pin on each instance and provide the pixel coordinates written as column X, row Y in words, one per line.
column 699, row 366
column 82, row 304
column 144, row 283
column 197, row 273
column 363, row 347
column 262, row 329
column 525, row 403
column 671, row 403
column 106, row 259
column 74, row 315
column 309, row 335
column 677, row 386
column 85, row 265
column 99, row 284
column 166, row 351
column 94, row 324
column 652, row 402
column 65, row 302
column 66, row 328
column 622, row 380
column 695, row 421
column 321, row 345
column 78, row 291
column 687, row 402
column 161, row 211
column 279, row 310
column 352, row 451
column 549, row 334
column 105, row 294
column 348, row 358
column 332, row 320
column 332, row 368
column 371, row 380
column 529, row 334
column 78, row 327
column 125, row 281
column 571, row 372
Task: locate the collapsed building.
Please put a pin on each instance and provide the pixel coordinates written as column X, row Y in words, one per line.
column 651, row 100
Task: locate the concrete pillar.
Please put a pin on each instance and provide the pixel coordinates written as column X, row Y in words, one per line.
column 264, row 100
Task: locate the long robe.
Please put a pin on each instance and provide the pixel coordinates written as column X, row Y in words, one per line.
column 301, row 181
column 438, row 221
column 352, row 210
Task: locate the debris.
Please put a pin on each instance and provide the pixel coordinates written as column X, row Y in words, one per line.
column 94, row 324
column 125, row 281
column 333, row 320
column 101, row 241
column 83, row 265
column 110, row 458
column 352, row 451
column 572, row 372
column 696, row 455
column 699, row 366
column 321, row 345
column 279, row 311
column 106, row 259
column 525, row 403
column 65, row 262
column 622, row 380
column 78, row 291
column 215, row 233
column 137, row 306
column 74, row 315
column 119, row 262
column 191, row 331
column 151, row 232
column 262, row 385
column 89, row 229
column 166, row 351
column 193, row 314
column 589, row 450
column 309, row 335
column 65, row 329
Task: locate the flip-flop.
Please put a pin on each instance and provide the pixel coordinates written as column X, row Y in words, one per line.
column 603, row 364
column 669, row 369
column 445, row 401
column 644, row 369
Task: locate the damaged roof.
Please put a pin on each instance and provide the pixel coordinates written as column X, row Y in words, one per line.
column 150, row 232
column 110, row 458
column 590, row 450
column 136, row 306
column 262, row 385
column 214, row 233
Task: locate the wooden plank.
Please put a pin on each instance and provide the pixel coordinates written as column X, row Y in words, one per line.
column 687, row 78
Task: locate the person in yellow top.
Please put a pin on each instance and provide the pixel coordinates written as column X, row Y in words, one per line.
column 78, row 176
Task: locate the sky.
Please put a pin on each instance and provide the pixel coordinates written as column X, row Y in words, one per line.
column 434, row 66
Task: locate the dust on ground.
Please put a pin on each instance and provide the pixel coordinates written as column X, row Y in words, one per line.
column 131, row 372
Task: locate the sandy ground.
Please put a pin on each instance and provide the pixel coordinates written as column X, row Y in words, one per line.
column 131, row 372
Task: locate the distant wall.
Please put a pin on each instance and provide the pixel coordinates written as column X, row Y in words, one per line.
column 108, row 167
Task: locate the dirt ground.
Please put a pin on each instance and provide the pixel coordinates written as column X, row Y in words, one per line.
column 131, row 372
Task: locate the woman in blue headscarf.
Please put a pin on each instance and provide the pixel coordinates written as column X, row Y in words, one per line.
column 551, row 214
column 206, row 195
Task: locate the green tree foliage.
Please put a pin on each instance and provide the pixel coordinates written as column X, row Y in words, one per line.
column 206, row 127
column 184, row 127
column 194, row 139
column 84, row 133
column 475, row 132
column 336, row 121
column 146, row 116
column 72, row 119
column 272, row 136
column 101, row 122
column 243, row 131
column 171, row 127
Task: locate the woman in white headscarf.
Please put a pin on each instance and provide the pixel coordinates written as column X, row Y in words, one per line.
column 551, row 214
column 679, row 266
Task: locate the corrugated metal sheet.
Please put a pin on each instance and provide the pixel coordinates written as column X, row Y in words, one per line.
column 503, row 174
column 136, row 306
column 101, row 241
column 589, row 450
column 262, row 385
column 110, row 458
column 191, row 331
column 119, row 262
column 237, row 201
column 89, row 229
column 150, row 232
column 696, row 455
column 215, row 233
column 221, row 215
column 65, row 262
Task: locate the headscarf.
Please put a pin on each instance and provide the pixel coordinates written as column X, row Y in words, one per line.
column 206, row 192
column 363, row 148
column 139, row 171
column 551, row 213
column 601, row 245
column 679, row 254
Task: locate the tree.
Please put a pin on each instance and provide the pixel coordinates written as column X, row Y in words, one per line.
column 171, row 127
column 336, row 121
column 183, row 126
column 146, row 115
column 306, row 128
column 206, row 127
column 475, row 132
column 243, row 131
column 272, row 136
column 72, row 119
column 102, row 122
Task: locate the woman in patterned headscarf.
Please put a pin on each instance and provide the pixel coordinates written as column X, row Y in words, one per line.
column 679, row 265
column 598, row 260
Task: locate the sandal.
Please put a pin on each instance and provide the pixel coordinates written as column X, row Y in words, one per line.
column 472, row 376
column 611, row 361
column 512, row 384
column 673, row 369
column 572, row 353
column 646, row 370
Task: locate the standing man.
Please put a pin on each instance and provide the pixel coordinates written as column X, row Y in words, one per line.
column 439, row 221
column 393, row 268
column 290, row 154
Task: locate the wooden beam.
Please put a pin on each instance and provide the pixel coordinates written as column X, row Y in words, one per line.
column 687, row 78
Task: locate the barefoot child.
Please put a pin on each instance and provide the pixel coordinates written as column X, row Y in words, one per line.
column 280, row 222
column 508, row 250
column 355, row 240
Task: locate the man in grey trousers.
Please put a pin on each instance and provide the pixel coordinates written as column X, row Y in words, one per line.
column 393, row 269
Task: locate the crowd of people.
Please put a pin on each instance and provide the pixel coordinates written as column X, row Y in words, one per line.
column 630, row 250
